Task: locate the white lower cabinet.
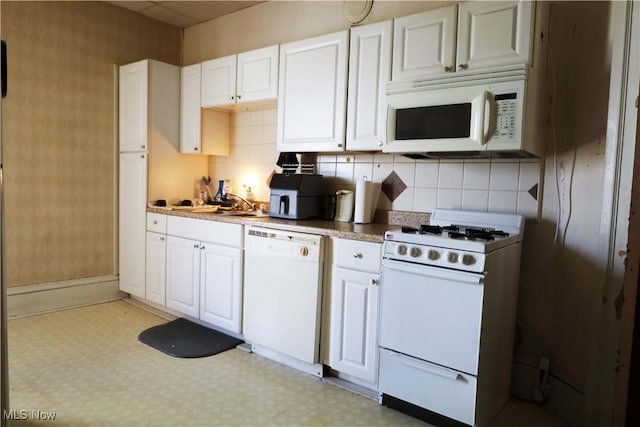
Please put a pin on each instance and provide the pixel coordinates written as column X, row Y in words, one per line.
column 221, row 286
column 156, row 267
column 204, row 270
column 354, row 310
column 183, row 275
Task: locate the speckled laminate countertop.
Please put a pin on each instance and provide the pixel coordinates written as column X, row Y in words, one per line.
column 346, row 230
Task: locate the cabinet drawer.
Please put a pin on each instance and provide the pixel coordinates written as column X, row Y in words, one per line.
column 157, row 223
column 436, row 388
column 223, row 233
column 357, row 255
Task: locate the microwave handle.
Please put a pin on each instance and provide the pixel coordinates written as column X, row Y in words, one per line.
column 485, row 115
column 479, row 121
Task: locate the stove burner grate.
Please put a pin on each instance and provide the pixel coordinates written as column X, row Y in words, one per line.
column 455, row 231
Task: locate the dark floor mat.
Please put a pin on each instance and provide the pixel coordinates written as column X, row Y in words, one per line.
column 183, row 338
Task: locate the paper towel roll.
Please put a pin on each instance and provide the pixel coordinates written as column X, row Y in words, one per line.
column 366, row 196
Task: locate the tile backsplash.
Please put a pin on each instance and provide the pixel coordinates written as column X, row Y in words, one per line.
column 502, row 185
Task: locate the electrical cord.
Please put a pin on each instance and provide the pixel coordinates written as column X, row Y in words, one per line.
column 560, row 235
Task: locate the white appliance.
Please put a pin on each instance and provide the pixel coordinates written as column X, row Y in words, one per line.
column 282, row 293
column 470, row 114
column 344, row 205
column 448, row 307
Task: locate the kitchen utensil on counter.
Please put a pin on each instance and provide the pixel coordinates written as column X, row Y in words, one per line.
column 288, row 162
column 344, row 205
column 220, row 191
column 366, row 199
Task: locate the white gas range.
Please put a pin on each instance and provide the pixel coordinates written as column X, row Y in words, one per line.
column 449, row 293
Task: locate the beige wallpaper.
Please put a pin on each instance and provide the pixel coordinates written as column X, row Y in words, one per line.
column 58, row 132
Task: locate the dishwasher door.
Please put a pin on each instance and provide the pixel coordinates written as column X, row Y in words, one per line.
column 282, row 291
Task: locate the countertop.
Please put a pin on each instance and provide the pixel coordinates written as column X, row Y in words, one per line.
column 345, row 230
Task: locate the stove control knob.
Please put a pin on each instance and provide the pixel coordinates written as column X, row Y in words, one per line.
column 468, row 259
column 415, row 252
column 433, row 254
column 452, row 257
column 402, row 250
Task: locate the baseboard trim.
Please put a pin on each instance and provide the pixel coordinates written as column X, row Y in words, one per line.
column 47, row 297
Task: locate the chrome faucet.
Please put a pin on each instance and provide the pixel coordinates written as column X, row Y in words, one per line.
column 252, row 206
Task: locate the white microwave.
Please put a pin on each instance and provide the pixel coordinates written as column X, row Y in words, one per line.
column 469, row 115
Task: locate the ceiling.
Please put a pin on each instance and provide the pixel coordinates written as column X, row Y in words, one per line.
column 183, row 14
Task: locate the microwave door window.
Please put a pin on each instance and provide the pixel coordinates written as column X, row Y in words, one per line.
column 434, row 122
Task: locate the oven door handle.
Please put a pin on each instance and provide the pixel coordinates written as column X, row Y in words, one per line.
column 440, row 273
column 449, row 374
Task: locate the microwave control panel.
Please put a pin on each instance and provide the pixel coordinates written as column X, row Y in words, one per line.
column 506, row 113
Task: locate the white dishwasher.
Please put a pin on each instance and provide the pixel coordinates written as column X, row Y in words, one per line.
column 282, row 291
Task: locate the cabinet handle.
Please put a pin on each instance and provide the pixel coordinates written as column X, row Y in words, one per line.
column 357, row 255
column 142, row 156
column 155, row 222
column 196, row 246
column 340, row 145
column 463, row 66
column 195, row 148
column 380, row 143
column 374, row 282
column 304, row 251
column 448, row 69
column 231, row 97
column 238, row 96
column 162, row 239
column 143, row 146
column 202, row 248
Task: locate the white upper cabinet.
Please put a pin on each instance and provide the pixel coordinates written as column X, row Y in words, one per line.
column 246, row 77
column 469, row 36
column 494, row 33
column 201, row 131
column 369, row 70
column 190, row 118
column 218, row 82
column 134, row 106
column 312, row 94
column 257, row 77
column 424, row 44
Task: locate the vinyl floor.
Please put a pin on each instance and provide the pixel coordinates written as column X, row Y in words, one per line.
column 85, row 367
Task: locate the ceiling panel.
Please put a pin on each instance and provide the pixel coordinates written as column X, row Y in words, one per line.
column 185, row 13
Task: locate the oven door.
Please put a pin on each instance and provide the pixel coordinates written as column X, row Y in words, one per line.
column 452, row 119
column 432, row 314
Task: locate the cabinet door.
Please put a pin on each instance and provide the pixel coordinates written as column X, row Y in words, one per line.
column 219, row 82
column 156, row 267
column 133, row 106
column 190, row 118
column 132, row 213
column 354, row 323
column 183, row 275
column 494, row 33
column 424, row 44
column 257, row 78
column 369, row 71
column 312, row 94
column 221, row 286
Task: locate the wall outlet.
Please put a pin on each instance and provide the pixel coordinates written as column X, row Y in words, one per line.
column 541, row 390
